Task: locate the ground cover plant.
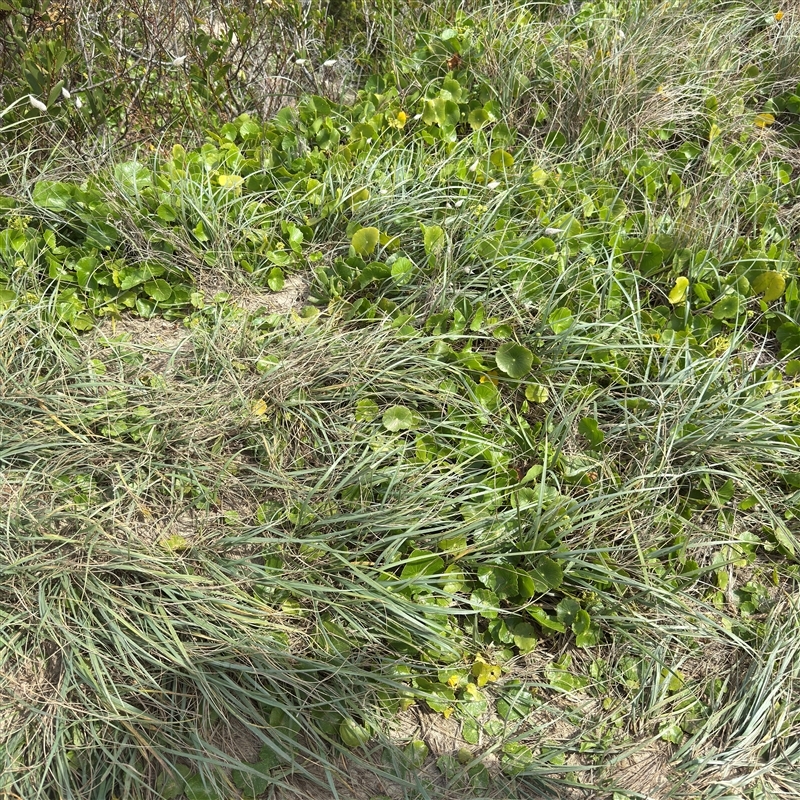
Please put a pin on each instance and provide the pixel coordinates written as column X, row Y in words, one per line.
column 432, row 436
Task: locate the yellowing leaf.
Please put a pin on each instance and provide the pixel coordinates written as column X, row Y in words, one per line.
column 538, row 176
column 174, row 544
column 771, row 284
column 678, row 292
column 502, row 159
column 229, row 181
column 535, row 393
column 259, row 408
column 398, row 120
column 484, row 672
column 447, row 713
column 763, row 120
column 472, row 690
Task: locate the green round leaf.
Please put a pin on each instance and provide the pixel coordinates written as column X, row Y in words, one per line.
column 166, row 212
column 547, row 574
column 727, row 307
column 399, row 418
column 590, row 430
column 525, row 637
column 366, row 410
column 500, row 579
column 567, row 610
column 487, row 395
column 544, row 619
column 560, row 320
column 353, row 734
column 195, row 789
column 486, row 603
column 454, row 580
column 365, row 241
column 422, row 563
column 671, row 732
column 416, row 751
column 275, row 279
column 516, row 758
column 159, row 290
column 470, row 731
column 171, row 786
column 250, row 784
column 647, row 256
column 586, row 632
column 53, row 195
column 199, row 232
column 402, row 271
column 478, row 118
column 433, row 238
column 544, row 245
column 281, row 258
column 514, row 359
column 132, row 176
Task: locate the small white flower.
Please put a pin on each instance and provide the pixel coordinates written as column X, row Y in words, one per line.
column 553, row 231
column 492, row 184
column 417, row 116
column 65, row 93
column 78, row 103
column 459, row 203
column 178, row 62
column 473, row 166
column 37, row 104
column 329, row 63
column 300, row 61
column 468, row 270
